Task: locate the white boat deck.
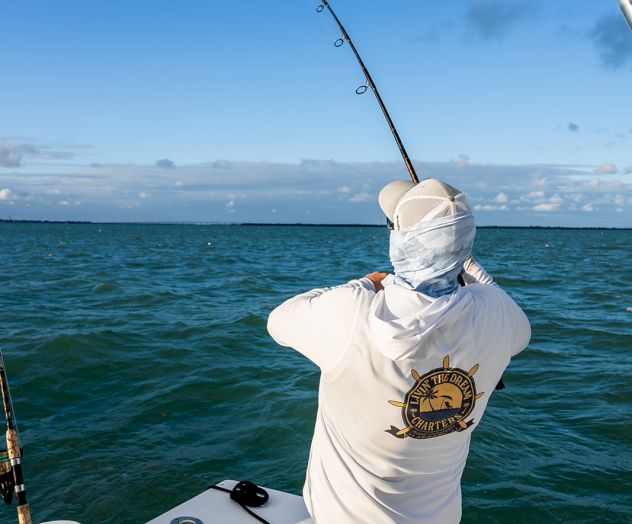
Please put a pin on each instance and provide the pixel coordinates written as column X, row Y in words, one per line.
column 216, row 507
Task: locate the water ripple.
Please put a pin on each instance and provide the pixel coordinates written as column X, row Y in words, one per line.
column 140, row 363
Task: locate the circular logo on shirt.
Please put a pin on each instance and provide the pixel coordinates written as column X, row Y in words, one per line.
column 438, row 403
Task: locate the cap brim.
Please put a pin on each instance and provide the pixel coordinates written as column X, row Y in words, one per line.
column 391, row 194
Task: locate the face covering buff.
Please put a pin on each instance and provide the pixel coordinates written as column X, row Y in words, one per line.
column 429, row 256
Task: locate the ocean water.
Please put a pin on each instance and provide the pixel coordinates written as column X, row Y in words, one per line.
column 141, row 369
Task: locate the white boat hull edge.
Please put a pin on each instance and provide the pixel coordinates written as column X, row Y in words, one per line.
column 216, row 507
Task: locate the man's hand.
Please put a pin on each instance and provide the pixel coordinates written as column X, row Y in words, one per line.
column 377, row 278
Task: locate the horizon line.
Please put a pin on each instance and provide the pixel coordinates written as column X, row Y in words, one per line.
column 278, row 224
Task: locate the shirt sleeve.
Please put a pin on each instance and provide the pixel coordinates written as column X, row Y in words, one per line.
column 516, row 324
column 522, row 331
column 319, row 323
column 473, row 273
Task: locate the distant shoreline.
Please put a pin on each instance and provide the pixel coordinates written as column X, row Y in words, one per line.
column 277, row 224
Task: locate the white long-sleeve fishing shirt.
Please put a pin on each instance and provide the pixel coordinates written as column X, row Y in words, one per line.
column 405, row 378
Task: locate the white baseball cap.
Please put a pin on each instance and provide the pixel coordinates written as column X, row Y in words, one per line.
column 406, row 204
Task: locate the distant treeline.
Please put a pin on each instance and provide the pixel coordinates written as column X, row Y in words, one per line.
column 294, row 224
column 299, row 224
column 24, row 221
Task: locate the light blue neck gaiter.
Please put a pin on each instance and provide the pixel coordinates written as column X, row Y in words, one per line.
column 429, row 257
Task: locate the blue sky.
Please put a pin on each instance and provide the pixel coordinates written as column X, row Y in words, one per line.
column 224, row 111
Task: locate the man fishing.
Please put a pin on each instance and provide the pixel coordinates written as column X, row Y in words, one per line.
column 408, row 362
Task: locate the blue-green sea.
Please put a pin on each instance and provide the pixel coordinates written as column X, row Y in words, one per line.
column 141, row 369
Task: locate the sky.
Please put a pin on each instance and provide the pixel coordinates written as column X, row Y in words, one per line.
column 207, row 111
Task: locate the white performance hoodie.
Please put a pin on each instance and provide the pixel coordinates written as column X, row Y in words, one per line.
column 405, row 378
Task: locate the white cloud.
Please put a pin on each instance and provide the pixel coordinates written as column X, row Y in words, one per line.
column 362, row 197
column 540, row 181
column 533, row 196
column 556, row 199
column 588, row 208
column 501, row 198
column 550, row 204
column 546, row 207
column 9, row 158
column 593, row 183
column 619, row 200
column 142, row 195
column 602, row 199
column 606, row 169
column 490, row 207
column 615, row 184
column 319, row 187
column 463, row 160
column 221, row 164
column 366, row 195
column 6, row 194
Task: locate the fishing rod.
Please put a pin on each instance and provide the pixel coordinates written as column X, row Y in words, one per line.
column 362, row 89
column 13, row 451
column 626, row 9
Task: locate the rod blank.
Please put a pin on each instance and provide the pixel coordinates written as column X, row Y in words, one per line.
column 371, row 84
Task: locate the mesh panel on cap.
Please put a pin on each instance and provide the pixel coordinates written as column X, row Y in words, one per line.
column 424, row 208
column 414, row 210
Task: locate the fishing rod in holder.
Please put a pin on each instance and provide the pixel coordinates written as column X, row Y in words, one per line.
column 11, row 477
column 369, row 83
